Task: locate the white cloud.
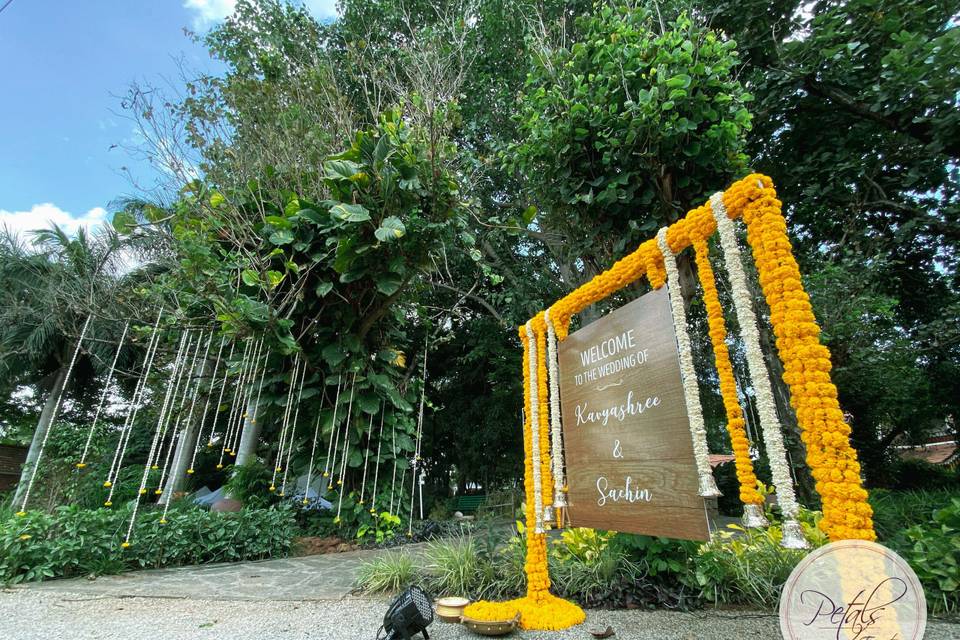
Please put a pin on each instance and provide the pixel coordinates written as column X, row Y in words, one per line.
column 41, row 215
column 208, row 12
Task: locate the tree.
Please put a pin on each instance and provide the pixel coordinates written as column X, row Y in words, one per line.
column 49, row 289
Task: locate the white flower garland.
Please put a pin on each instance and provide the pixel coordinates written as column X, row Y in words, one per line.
column 535, row 429
column 766, row 406
column 556, row 445
column 691, row 391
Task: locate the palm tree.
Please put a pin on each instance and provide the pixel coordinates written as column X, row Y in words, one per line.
column 48, row 289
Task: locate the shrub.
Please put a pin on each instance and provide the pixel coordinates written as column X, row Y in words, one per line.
column 72, row 541
column 389, row 572
column 895, row 511
column 933, row 550
column 456, row 567
column 748, row 566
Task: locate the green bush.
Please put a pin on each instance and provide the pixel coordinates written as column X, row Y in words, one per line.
column 895, row 511
column 73, row 542
column 933, row 550
column 748, row 566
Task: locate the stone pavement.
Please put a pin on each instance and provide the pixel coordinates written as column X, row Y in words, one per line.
column 320, row 577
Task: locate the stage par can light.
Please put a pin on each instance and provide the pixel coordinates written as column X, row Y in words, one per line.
column 411, row 613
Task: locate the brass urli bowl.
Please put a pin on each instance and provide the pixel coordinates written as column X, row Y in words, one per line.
column 451, row 608
column 491, row 627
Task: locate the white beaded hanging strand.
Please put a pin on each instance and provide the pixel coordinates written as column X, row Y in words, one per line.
column 53, row 417
column 137, row 391
column 346, row 449
column 156, row 453
column 333, row 428
column 185, row 375
column 146, row 467
column 793, row 537
column 246, row 397
column 293, row 429
column 185, row 424
column 237, row 386
column 556, row 446
column 416, row 454
column 206, row 406
column 103, row 397
column 223, row 388
column 376, row 468
column 313, row 448
column 284, row 422
column 535, row 429
column 366, row 460
column 688, row 375
column 393, row 478
column 237, row 395
column 132, row 411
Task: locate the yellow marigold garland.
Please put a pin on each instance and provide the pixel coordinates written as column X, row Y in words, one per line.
column 833, row 462
column 736, row 426
column 539, row 609
column 807, row 365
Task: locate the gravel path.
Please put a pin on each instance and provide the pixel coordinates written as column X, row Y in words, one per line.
column 43, row 615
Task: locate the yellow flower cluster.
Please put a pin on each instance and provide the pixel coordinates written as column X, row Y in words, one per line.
column 736, row 426
column 833, row 462
column 539, row 610
column 491, row 611
column 546, row 613
column 539, row 326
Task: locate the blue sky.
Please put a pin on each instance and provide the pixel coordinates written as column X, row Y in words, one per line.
column 62, row 132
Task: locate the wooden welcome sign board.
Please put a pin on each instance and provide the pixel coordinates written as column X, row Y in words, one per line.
column 629, row 457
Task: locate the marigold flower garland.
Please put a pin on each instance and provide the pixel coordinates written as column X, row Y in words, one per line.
column 539, row 609
column 833, row 462
column 766, row 405
column 736, row 426
column 537, row 468
column 688, row 375
column 846, row 513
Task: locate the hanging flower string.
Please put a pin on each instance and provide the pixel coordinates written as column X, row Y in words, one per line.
column 556, row 437
column 760, row 379
column 833, row 462
column 807, row 364
column 736, row 426
column 688, row 375
column 537, row 468
column 539, row 609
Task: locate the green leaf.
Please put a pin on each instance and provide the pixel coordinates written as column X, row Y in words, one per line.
column 341, row 169
column 124, row 222
column 390, row 229
column 679, row 81
column 388, row 283
column 324, row 288
column 281, row 237
column 250, row 278
column 333, row 354
column 350, row 212
column 274, row 278
column 529, row 214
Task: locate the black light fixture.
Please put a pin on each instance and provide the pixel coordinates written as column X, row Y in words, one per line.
column 411, row 613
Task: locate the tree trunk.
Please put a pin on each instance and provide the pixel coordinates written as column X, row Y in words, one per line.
column 250, row 436
column 43, row 426
column 186, row 443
